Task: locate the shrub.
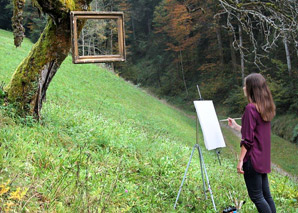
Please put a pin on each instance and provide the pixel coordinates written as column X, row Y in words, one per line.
column 286, row 126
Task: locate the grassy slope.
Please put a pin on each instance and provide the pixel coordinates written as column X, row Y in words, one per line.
column 105, row 144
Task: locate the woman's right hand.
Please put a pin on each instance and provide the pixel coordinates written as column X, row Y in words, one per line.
column 232, row 123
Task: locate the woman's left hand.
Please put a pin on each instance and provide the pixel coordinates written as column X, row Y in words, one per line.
column 239, row 167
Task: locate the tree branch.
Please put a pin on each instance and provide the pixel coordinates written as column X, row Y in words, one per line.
column 271, row 19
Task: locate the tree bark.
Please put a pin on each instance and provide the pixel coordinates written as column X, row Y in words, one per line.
column 28, row 86
column 219, row 41
column 83, row 43
column 241, row 48
column 241, row 53
column 233, row 54
column 133, row 28
column 89, row 46
column 183, row 76
column 285, row 41
column 93, row 46
column 111, row 42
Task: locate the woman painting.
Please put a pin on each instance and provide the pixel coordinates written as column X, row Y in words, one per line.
column 254, row 160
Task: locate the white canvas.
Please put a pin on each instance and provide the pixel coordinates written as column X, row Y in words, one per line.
column 210, row 126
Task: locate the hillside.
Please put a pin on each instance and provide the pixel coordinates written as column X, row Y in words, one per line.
column 106, row 145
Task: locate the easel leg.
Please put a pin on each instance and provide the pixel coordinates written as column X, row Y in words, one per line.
column 209, row 187
column 203, row 170
column 217, row 151
column 198, row 147
column 184, row 176
column 204, row 183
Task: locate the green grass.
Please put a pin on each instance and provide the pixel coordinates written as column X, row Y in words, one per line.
column 104, row 144
column 284, row 154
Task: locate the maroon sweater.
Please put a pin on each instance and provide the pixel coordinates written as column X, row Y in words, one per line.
column 256, row 139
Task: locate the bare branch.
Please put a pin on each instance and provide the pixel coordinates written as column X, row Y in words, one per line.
column 273, row 20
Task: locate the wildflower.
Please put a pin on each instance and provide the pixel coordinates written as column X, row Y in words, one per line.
column 18, row 194
column 126, row 191
column 4, row 188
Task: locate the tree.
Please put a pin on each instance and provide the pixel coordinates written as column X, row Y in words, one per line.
column 28, row 86
column 194, row 36
column 264, row 22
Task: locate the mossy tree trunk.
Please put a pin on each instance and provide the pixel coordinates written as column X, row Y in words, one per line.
column 28, row 86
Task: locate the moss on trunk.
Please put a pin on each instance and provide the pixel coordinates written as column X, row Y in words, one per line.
column 27, row 88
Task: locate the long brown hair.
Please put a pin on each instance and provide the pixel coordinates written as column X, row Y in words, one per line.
column 257, row 92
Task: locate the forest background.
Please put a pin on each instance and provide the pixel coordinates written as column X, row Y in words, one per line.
column 174, row 45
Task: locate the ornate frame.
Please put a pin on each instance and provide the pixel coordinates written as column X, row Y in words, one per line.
column 76, row 58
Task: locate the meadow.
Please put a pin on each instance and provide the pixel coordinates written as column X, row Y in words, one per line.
column 105, row 145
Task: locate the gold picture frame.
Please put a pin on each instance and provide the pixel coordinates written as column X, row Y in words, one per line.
column 118, row 16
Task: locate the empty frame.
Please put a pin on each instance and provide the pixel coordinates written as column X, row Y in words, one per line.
column 102, row 38
column 213, row 137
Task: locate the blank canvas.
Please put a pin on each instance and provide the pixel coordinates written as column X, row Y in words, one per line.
column 213, row 137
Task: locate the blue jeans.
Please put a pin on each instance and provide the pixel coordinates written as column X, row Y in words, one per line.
column 258, row 189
